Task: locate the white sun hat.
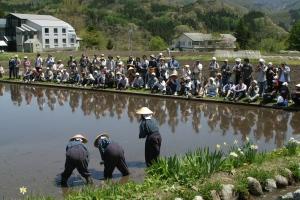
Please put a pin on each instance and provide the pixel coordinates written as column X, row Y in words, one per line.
column 144, row 111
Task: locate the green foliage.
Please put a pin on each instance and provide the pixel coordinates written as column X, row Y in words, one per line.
column 294, row 39
column 109, row 45
column 157, row 44
column 295, row 168
column 272, row 45
column 242, row 34
column 92, row 38
column 292, row 147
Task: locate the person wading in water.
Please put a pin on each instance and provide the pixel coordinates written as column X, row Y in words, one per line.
column 150, row 130
column 77, row 156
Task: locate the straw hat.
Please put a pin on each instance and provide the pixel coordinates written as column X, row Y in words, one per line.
column 160, row 54
column 226, row 60
column 144, row 111
column 153, row 74
column 16, row 56
column 152, row 56
column 119, row 73
column 238, row 60
column 102, row 55
column 25, row 57
column 186, row 66
column 255, row 81
column 100, row 136
column 298, row 85
column 261, row 60
column 137, row 74
column 130, row 68
column 79, row 136
column 270, row 63
column 175, row 73
column 214, row 58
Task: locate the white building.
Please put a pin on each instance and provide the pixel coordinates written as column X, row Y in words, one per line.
column 36, row 33
column 204, row 42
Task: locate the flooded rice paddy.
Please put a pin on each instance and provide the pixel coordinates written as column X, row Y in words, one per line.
column 36, row 123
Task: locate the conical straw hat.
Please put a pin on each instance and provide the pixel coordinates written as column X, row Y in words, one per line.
column 84, row 140
column 98, row 137
column 174, row 73
column 144, row 111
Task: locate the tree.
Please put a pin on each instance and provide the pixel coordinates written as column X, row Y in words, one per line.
column 242, row 34
column 294, row 39
column 109, row 45
column 93, row 38
column 157, row 44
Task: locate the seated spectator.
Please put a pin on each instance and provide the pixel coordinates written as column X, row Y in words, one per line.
column 219, row 83
column 252, row 93
column 296, row 95
column 123, row 83
column 28, row 75
column 282, row 102
column 186, row 72
column 173, row 84
column 271, row 95
column 58, row 76
column 49, row 76
column 227, row 90
column 211, row 89
column 284, row 91
column 131, row 74
column 138, row 82
column 160, row 86
column 1, row 71
column 188, row 86
column 152, row 80
column 65, row 76
column 239, row 91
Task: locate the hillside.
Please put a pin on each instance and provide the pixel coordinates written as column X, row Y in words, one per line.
column 97, row 21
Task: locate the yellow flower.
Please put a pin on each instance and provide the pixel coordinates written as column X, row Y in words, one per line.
column 23, row 190
column 218, row 146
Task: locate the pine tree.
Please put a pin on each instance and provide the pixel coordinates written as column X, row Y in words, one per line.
column 109, row 45
column 242, row 34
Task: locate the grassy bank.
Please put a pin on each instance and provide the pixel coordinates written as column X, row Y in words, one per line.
column 200, row 172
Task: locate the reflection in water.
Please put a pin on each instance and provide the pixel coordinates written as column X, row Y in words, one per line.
column 264, row 123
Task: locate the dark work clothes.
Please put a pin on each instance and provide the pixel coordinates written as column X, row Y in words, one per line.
column 77, row 156
column 247, row 70
column 113, row 156
column 284, row 92
column 149, row 129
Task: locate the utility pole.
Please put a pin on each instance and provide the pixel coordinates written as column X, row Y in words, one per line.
column 130, row 32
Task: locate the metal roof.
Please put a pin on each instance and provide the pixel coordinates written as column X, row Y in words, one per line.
column 26, row 28
column 205, row 37
column 33, row 16
column 2, row 43
column 51, row 23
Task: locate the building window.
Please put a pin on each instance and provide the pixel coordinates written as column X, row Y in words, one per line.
column 190, row 43
column 46, row 41
column 30, row 36
column 55, row 31
column 46, row 31
column 55, row 41
column 72, row 40
column 63, row 30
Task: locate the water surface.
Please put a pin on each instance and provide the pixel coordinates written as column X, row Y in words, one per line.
column 36, row 123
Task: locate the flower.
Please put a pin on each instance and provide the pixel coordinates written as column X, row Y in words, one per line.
column 235, row 142
column 225, row 144
column 233, row 154
column 247, row 139
column 218, row 146
column 23, row 190
column 254, row 147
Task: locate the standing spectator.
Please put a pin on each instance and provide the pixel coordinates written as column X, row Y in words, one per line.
column 17, row 67
column 197, row 71
column 186, row 72
column 38, row 64
column 84, row 62
column 173, row 64
column 110, row 63
column 1, row 71
column 236, row 71
column 11, row 67
column 26, row 64
column 50, row 61
column 226, row 72
column 261, row 76
column 247, row 71
column 144, row 69
column 213, row 67
column 102, row 62
column 284, row 74
column 270, row 74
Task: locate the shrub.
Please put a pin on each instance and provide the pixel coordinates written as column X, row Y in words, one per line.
column 292, row 146
column 157, row 44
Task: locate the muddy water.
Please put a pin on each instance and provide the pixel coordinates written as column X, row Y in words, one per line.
column 36, row 123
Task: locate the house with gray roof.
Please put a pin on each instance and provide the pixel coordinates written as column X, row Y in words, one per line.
column 204, row 42
column 37, row 33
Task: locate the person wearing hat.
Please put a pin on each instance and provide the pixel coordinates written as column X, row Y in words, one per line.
column 149, row 129
column 77, row 157
column 252, row 92
column 261, row 76
column 211, row 89
column 213, row 67
column 131, row 74
column 296, row 95
column 197, row 71
column 160, row 86
column 173, row 84
column 226, row 72
column 239, row 91
column 269, row 96
column 110, row 63
column 270, row 74
column 49, row 74
column 123, row 83
column 38, row 63
column 186, row 72
column 26, row 64
column 284, row 94
column 152, row 80
column 284, row 74
column 246, row 72
column 138, row 82
column 112, row 155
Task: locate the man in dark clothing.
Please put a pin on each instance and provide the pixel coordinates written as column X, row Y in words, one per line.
column 226, row 72
column 77, row 156
column 270, row 74
column 149, row 129
column 296, row 95
column 11, row 67
column 112, row 155
column 246, row 72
